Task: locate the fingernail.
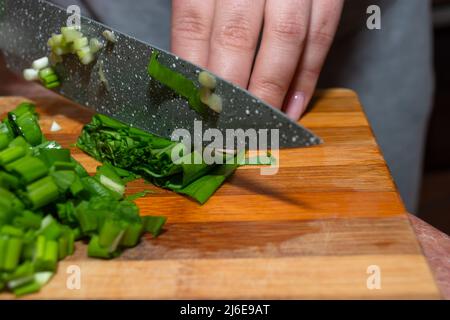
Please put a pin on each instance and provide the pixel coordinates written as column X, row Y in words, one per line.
column 296, row 106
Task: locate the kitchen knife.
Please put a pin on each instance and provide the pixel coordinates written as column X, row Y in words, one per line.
column 132, row 95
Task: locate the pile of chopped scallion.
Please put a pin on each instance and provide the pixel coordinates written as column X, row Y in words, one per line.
column 48, row 201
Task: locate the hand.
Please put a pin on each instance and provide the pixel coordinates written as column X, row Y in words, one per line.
column 223, row 35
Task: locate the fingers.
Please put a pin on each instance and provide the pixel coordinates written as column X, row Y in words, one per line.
column 325, row 16
column 237, row 24
column 285, row 29
column 191, row 29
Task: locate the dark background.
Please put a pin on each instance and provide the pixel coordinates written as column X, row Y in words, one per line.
column 435, row 197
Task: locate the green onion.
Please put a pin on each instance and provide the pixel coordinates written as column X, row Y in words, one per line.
column 11, row 154
column 5, row 139
column 62, row 166
column 88, row 221
column 132, row 235
column 80, row 43
column 46, row 254
column 12, row 254
column 52, row 156
column 153, row 225
column 27, row 289
column 71, row 34
column 28, row 220
column 175, row 81
column 42, row 192
column 46, row 72
column 63, row 179
column 112, row 185
column 48, row 200
column 207, row 80
column 50, row 228
column 11, row 231
column 95, row 45
column 111, row 234
column 40, row 63
column 31, row 74
column 97, row 251
column 28, row 169
column 109, row 35
column 8, row 181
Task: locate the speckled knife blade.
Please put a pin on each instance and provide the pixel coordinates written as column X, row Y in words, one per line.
column 131, row 95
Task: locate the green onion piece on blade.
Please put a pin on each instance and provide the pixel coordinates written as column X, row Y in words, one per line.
column 177, row 82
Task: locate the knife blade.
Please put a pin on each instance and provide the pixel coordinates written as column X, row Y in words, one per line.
column 133, row 96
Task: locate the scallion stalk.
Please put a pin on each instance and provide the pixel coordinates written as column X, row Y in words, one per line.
column 11, row 154
column 42, row 192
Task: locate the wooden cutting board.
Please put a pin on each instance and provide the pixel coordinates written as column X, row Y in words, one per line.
column 314, row 230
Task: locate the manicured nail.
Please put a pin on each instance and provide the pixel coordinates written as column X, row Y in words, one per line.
column 296, row 106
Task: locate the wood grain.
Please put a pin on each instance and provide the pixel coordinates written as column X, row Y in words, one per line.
column 310, row 231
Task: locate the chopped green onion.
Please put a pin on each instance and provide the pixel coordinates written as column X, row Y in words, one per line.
column 31, row 74
column 80, row 43
column 132, row 235
column 88, row 58
column 71, row 34
column 46, row 254
column 111, row 234
column 27, row 220
column 153, row 225
column 27, row 289
column 64, row 179
column 40, row 63
column 11, row 231
column 13, row 284
column 88, row 221
column 53, row 85
column 205, row 94
column 8, row 181
column 112, row 185
column 49, row 79
column 28, row 169
column 62, row 165
column 43, row 277
column 215, row 103
column 207, row 80
column 5, row 139
column 50, row 228
column 12, row 254
column 97, row 251
column 52, row 156
column 46, row 72
column 95, row 45
column 11, row 154
column 109, row 35
column 82, row 52
column 42, row 192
